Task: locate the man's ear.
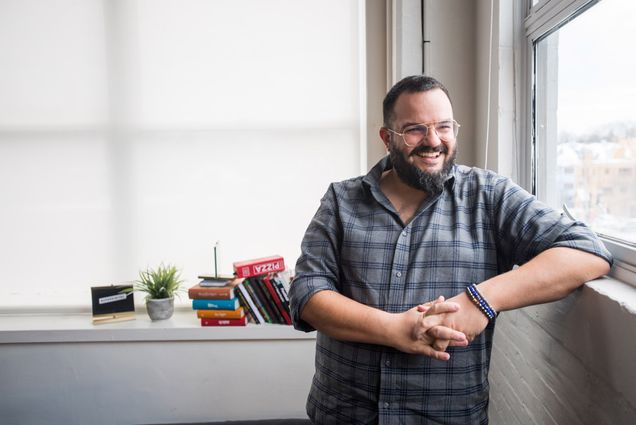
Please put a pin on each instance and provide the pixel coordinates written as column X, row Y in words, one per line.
column 385, row 135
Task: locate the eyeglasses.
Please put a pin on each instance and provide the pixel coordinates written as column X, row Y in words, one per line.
column 413, row 134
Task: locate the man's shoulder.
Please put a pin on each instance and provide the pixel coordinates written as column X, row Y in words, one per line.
column 349, row 187
column 465, row 175
column 486, row 184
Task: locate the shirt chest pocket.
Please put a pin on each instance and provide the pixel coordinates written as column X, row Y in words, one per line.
column 448, row 259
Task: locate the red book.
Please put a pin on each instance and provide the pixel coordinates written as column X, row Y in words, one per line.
column 276, row 297
column 259, row 266
column 224, row 322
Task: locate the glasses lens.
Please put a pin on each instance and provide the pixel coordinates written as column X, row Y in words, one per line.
column 415, row 134
column 446, row 130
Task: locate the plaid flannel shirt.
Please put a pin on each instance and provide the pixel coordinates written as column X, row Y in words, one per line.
column 481, row 225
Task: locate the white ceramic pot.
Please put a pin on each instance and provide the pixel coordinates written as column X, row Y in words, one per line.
column 160, row 308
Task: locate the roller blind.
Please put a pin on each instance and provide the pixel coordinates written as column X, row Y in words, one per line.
column 140, row 132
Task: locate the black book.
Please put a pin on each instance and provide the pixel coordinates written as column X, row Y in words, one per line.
column 253, row 306
column 257, row 300
column 269, row 298
column 263, row 294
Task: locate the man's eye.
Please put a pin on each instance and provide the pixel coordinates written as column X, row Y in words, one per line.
column 446, row 125
column 415, row 130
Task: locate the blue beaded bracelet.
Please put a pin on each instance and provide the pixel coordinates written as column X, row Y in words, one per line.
column 480, row 302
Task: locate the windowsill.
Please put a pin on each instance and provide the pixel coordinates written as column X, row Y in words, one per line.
column 618, row 291
column 182, row 326
column 23, row 328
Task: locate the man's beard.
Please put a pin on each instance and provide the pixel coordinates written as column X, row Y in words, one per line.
column 431, row 183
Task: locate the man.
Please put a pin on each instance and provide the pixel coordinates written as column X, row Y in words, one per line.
column 419, row 228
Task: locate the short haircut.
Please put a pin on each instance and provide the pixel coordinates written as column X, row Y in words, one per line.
column 412, row 84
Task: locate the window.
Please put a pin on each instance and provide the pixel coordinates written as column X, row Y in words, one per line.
column 584, row 116
column 140, row 132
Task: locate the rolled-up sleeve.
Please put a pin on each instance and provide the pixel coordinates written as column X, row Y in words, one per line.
column 528, row 227
column 317, row 267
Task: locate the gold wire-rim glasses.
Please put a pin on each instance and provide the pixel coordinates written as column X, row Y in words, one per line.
column 412, row 131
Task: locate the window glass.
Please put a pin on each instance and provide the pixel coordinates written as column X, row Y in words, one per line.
column 144, row 131
column 585, row 118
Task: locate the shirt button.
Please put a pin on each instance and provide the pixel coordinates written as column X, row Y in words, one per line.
column 387, row 362
column 404, row 233
column 386, row 404
column 399, row 274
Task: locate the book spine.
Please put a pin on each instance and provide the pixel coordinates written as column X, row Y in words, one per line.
column 275, row 296
column 215, row 304
column 221, row 314
column 245, row 306
column 251, row 303
column 211, row 293
column 282, row 289
column 267, row 300
column 257, row 300
column 259, row 266
column 224, row 322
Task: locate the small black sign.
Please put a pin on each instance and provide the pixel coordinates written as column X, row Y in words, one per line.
column 113, row 303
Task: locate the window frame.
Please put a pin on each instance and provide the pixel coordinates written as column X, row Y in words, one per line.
column 541, row 20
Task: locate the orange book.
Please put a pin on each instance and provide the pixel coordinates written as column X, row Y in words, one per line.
column 221, row 314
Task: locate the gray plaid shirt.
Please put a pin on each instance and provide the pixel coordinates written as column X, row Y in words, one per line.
column 479, row 226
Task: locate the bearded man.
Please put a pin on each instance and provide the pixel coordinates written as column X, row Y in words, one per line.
column 404, row 270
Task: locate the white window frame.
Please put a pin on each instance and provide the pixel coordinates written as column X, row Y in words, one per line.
column 538, row 22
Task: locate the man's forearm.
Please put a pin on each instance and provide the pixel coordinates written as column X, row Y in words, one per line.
column 549, row 276
column 345, row 319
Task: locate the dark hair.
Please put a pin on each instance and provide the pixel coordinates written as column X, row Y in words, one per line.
column 412, row 84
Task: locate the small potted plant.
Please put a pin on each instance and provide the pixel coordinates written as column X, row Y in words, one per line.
column 160, row 285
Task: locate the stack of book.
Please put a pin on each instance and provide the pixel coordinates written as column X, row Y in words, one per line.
column 262, row 290
column 216, row 303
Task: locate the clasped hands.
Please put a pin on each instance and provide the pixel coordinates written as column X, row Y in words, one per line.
column 441, row 323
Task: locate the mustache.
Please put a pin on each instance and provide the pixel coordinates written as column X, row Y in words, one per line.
column 427, row 149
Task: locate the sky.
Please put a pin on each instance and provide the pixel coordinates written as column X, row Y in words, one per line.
column 597, row 64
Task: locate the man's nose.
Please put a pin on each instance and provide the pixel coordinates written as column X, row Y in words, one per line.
column 431, row 138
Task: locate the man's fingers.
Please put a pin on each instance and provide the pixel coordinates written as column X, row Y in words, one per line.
column 440, row 344
column 439, row 299
column 439, row 355
column 445, row 333
column 442, row 307
column 422, row 308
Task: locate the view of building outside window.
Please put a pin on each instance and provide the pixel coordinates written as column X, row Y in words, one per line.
column 589, row 97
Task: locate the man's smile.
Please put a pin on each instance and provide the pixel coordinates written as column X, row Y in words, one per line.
column 429, row 155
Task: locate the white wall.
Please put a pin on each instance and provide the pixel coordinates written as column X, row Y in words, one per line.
column 376, row 60
column 566, row 363
column 153, row 382
column 450, row 56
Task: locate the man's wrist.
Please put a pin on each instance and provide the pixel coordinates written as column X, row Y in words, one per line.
column 480, row 302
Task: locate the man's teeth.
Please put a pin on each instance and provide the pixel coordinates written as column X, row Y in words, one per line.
column 429, row 155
